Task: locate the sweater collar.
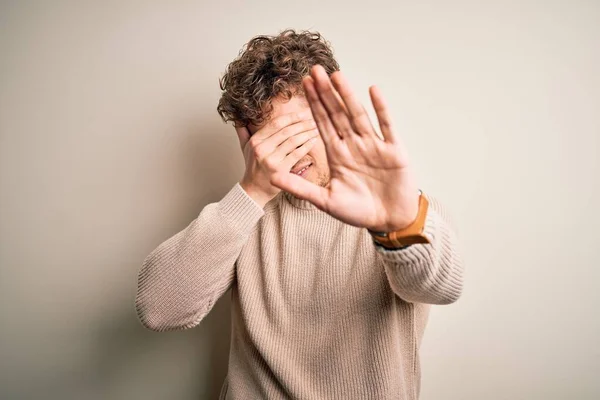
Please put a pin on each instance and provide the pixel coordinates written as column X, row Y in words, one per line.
column 298, row 202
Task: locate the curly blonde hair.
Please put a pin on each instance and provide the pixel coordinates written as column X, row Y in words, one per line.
column 268, row 67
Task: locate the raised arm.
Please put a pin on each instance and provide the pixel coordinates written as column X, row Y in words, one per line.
column 373, row 186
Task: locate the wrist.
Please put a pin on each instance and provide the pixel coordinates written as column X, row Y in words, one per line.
column 404, row 237
column 404, row 222
column 260, row 198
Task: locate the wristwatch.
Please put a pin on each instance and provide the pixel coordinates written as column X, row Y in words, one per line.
column 412, row 234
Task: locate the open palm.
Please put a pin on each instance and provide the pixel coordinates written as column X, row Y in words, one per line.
column 372, row 184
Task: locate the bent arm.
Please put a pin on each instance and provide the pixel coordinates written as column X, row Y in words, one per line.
column 182, row 278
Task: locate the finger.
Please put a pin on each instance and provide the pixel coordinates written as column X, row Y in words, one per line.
column 281, row 136
column 269, row 145
column 383, row 116
column 300, row 187
column 333, row 103
column 296, row 155
column 358, row 115
column 278, row 123
column 243, row 135
column 326, row 128
column 294, row 142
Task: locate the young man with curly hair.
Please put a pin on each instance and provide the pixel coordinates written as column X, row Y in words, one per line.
column 332, row 253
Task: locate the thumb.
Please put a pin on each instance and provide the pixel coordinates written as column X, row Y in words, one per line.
column 243, row 135
column 301, row 188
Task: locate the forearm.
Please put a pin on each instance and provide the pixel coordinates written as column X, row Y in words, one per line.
column 183, row 277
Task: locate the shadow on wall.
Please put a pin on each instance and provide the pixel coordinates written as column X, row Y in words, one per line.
column 132, row 361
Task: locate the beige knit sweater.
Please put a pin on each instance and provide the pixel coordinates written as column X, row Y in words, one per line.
column 318, row 310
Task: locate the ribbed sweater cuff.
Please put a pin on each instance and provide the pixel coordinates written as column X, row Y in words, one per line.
column 240, row 210
column 427, row 272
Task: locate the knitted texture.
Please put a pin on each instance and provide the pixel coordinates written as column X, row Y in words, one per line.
column 319, row 311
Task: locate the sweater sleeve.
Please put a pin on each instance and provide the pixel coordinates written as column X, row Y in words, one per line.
column 182, row 278
column 430, row 273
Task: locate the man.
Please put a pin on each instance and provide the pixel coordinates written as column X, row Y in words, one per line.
column 324, row 304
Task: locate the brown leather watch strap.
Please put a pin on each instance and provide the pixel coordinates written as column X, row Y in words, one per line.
column 412, row 234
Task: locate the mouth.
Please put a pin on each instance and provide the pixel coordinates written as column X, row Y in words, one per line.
column 302, row 171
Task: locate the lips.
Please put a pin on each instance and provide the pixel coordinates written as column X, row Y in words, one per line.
column 300, row 169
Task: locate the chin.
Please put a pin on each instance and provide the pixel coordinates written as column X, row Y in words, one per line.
column 324, row 180
column 320, row 179
column 323, row 183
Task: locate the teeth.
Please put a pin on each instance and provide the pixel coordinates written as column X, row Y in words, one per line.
column 302, row 170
